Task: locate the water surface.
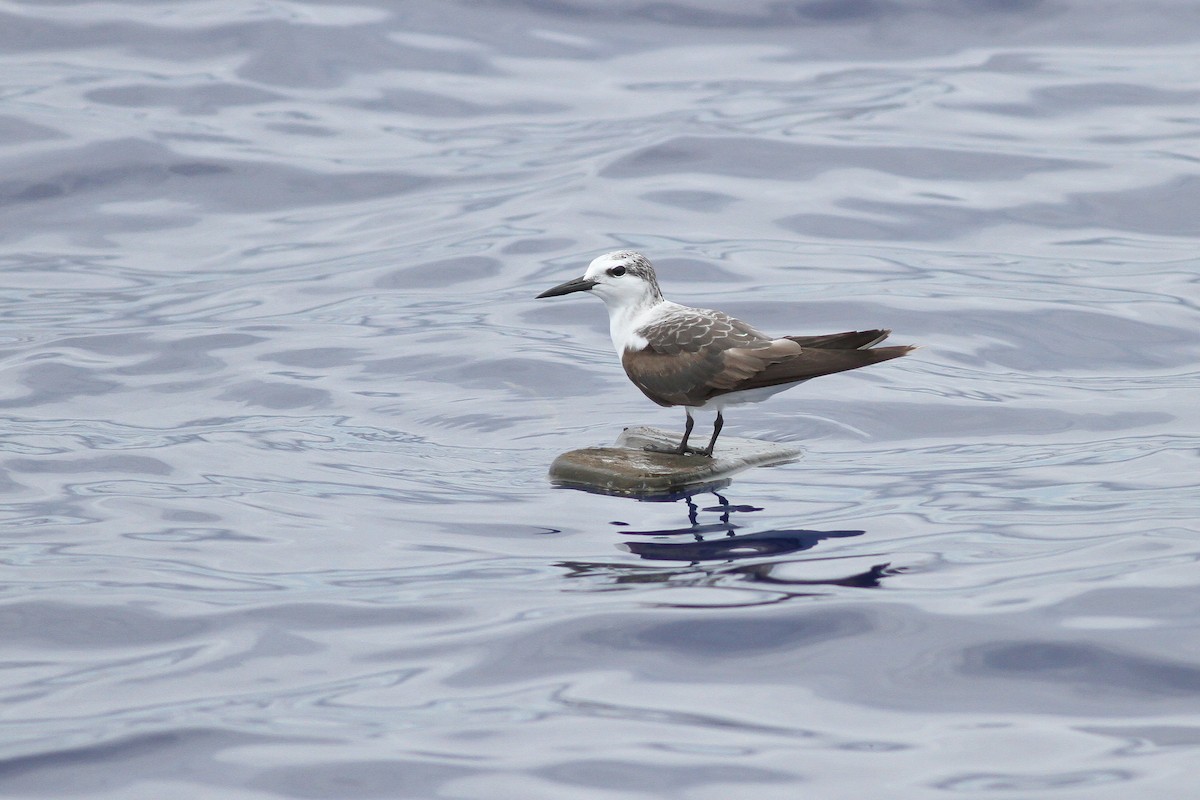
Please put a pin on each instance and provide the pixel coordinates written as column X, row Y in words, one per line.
column 278, row 402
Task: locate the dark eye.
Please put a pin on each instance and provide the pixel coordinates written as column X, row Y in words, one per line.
column 617, row 272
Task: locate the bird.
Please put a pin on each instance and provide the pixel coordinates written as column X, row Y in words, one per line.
column 699, row 358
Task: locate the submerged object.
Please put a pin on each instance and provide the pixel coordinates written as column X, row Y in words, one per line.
column 628, row 468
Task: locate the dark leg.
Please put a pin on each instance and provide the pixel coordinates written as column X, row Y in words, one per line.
column 682, row 449
column 687, row 431
column 717, row 424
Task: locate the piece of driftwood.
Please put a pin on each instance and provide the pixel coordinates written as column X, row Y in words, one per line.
column 628, row 469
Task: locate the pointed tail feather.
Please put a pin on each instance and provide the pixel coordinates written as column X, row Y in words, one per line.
column 815, row 362
column 850, row 340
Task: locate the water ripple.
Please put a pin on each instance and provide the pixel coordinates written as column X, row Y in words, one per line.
column 279, row 401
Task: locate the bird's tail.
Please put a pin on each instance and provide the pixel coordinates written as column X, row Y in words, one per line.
column 850, row 340
column 814, row 362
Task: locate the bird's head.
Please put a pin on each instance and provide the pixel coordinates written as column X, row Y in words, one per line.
column 621, row 279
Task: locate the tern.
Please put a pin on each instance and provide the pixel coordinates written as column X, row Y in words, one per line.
column 703, row 359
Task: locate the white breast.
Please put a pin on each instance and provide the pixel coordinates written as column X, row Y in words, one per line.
column 624, row 324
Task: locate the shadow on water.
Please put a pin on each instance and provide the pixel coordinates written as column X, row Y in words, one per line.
column 718, row 540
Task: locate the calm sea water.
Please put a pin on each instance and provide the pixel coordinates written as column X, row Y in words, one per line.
column 278, row 403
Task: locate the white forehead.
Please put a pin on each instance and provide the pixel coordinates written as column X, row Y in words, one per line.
column 605, row 262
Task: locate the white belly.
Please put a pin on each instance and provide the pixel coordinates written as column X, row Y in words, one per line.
column 746, row 396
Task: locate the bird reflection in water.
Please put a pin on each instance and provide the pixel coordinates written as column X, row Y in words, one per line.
column 706, row 546
column 718, row 541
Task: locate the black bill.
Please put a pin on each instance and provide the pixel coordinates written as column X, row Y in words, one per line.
column 576, row 285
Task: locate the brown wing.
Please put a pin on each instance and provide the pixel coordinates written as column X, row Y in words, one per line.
column 690, row 330
column 692, row 356
column 692, row 377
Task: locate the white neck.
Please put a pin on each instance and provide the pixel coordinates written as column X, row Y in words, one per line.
column 626, row 319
